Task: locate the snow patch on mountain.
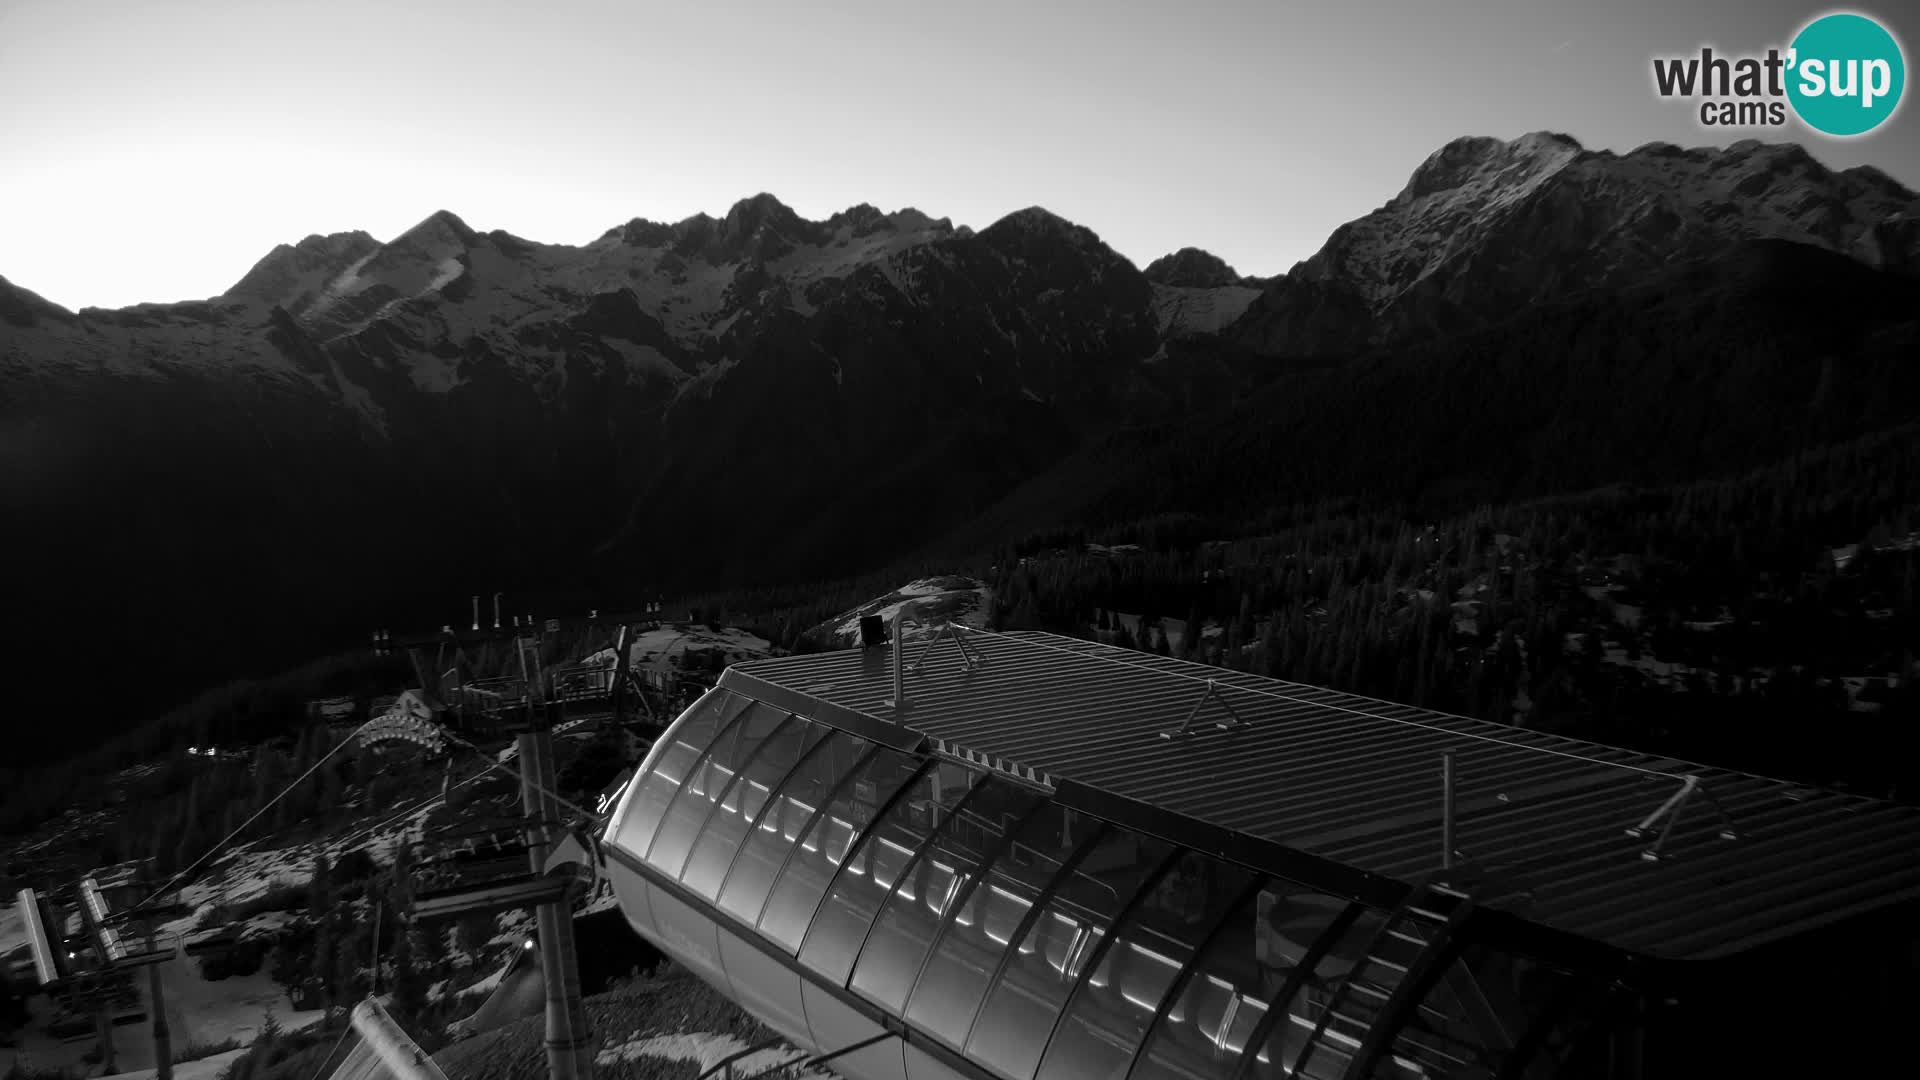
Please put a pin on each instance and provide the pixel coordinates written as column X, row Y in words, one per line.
column 663, row 649
column 646, row 361
column 1186, row 311
column 1540, row 214
column 937, row 600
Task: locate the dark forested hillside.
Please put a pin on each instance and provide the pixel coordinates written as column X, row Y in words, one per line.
column 1774, row 349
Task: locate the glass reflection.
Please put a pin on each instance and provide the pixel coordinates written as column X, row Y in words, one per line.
column 1110, row 1012
column 823, row 846
column 722, row 836
column 898, row 945
column 883, row 861
column 986, row 914
column 711, row 782
column 1018, row 1017
column 805, row 790
column 678, row 749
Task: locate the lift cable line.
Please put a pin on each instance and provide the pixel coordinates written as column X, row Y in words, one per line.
column 321, row 1066
column 255, row 816
column 592, row 816
column 283, row 792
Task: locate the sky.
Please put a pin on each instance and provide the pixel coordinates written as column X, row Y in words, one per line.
column 154, row 150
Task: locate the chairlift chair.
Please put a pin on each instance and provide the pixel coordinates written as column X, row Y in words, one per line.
column 483, row 865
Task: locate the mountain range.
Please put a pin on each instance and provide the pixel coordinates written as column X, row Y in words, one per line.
column 361, row 433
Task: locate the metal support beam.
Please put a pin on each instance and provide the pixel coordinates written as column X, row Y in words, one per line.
column 1446, row 811
column 1400, row 1007
column 162, row 1035
column 569, row 1043
column 518, row 892
column 402, row 1057
column 1211, row 693
column 1280, row 1008
column 969, row 659
column 1202, row 949
column 899, row 702
column 1671, row 809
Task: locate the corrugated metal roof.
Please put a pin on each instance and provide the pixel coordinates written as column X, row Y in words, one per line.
column 1358, row 781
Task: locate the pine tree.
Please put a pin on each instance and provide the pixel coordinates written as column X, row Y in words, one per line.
column 409, row 990
column 292, row 965
column 320, row 889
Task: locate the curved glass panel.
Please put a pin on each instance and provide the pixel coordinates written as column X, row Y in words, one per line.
column 1018, row 1017
column 721, row 837
column 1479, row 1008
column 824, row 846
column 770, row 839
column 1202, row 1034
column 1290, row 920
column 889, row 852
column 897, row 946
column 673, row 754
column 1110, row 1013
column 711, row 782
column 986, row 915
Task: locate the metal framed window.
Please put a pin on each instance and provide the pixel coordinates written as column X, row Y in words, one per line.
column 836, row 830
column 673, row 759
column 900, row 943
column 1147, row 960
column 978, row 939
column 708, row 783
column 886, row 857
column 832, row 762
column 1192, row 1031
column 717, row 842
column 1063, row 947
column 1265, row 1053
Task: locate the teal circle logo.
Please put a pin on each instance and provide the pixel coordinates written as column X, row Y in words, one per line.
column 1846, row 74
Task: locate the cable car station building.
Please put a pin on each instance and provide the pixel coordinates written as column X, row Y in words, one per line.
column 1057, row 860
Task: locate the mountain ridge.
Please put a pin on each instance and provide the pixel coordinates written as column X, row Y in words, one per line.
column 1486, row 226
column 358, row 430
column 761, row 228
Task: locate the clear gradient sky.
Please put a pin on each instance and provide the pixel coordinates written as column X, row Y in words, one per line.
column 153, row 150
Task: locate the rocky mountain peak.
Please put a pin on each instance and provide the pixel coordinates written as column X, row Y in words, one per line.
column 1485, row 227
column 1191, row 268
column 290, row 270
column 1480, row 158
column 440, row 234
column 760, row 212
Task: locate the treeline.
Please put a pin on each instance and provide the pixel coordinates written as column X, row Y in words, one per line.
column 1559, row 613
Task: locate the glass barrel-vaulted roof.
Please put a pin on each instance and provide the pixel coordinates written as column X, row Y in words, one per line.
column 1022, row 937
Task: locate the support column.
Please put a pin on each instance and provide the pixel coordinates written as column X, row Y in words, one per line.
column 162, row 1035
column 103, row 1023
column 569, row 1042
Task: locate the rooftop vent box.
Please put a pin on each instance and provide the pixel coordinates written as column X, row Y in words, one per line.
column 873, row 631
